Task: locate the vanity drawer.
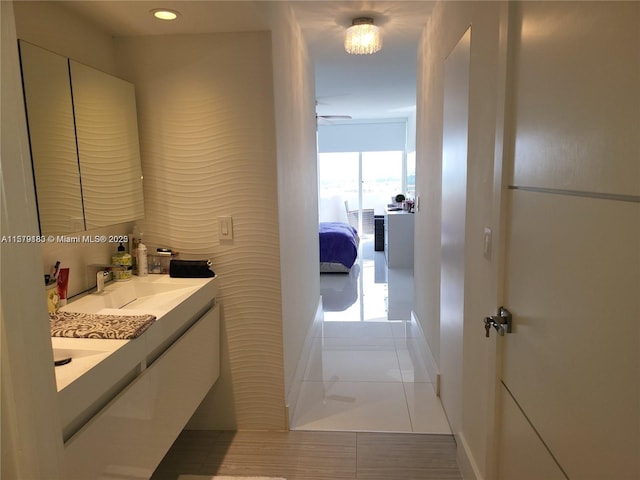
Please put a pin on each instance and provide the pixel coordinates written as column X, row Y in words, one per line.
column 129, row 437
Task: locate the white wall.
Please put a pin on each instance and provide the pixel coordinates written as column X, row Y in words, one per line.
column 54, row 27
column 448, row 22
column 31, row 440
column 294, row 93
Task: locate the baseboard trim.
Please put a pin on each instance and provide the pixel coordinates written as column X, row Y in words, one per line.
column 425, row 353
column 296, row 384
column 468, row 467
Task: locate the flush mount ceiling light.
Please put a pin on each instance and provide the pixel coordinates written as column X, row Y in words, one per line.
column 165, row 14
column 362, row 37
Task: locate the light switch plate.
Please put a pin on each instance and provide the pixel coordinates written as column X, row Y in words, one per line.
column 225, row 228
column 486, row 246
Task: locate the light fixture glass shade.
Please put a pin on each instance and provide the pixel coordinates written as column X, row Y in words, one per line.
column 164, row 14
column 363, row 37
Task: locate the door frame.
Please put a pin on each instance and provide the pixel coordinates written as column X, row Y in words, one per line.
column 455, row 156
column 502, row 171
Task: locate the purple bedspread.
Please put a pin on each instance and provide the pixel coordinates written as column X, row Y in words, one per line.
column 338, row 243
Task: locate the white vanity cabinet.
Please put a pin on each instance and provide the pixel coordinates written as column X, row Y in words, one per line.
column 398, row 239
column 177, row 362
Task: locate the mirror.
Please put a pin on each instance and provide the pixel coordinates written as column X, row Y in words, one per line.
column 84, row 143
column 45, row 77
column 108, row 148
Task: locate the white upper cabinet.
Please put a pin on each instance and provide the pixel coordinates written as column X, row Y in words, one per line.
column 108, row 147
column 85, row 151
column 53, row 141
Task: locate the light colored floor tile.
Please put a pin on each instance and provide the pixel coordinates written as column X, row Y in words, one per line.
column 411, row 365
column 352, row 363
column 358, row 366
column 352, row 406
column 425, row 409
column 355, row 329
column 358, row 342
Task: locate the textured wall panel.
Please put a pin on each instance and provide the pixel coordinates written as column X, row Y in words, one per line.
column 207, row 135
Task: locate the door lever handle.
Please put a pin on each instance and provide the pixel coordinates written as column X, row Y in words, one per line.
column 502, row 322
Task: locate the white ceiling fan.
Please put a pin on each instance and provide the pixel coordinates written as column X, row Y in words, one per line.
column 327, row 119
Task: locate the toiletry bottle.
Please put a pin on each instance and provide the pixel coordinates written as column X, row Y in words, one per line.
column 143, row 266
column 124, row 260
column 63, row 286
column 134, row 240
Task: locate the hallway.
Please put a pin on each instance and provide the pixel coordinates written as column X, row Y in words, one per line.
column 366, row 372
column 365, row 394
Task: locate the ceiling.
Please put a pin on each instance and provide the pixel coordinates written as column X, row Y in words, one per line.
column 382, row 85
column 377, row 86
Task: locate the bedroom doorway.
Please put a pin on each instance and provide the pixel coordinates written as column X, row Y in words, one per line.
column 365, row 369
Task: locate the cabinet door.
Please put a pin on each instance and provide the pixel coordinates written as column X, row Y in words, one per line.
column 45, row 77
column 108, row 146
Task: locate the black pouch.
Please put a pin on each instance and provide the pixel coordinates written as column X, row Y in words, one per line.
column 190, row 269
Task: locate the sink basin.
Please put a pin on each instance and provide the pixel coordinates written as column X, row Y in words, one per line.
column 62, row 353
column 157, row 295
column 164, row 301
column 85, row 355
column 154, row 295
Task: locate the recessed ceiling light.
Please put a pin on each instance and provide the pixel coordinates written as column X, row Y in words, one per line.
column 165, row 14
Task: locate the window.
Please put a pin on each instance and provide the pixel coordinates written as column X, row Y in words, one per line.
column 364, row 180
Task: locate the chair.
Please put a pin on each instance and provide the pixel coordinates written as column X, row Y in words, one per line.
column 367, row 219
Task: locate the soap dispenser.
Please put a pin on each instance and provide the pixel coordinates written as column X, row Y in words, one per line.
column 124, row 260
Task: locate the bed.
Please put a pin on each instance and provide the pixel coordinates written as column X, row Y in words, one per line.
column 338, row 247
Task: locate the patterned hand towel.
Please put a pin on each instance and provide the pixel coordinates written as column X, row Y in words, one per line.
column 93, row 325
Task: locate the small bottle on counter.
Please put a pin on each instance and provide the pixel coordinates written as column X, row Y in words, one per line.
column 134, row 240
column 123, row 259
column 143, row 265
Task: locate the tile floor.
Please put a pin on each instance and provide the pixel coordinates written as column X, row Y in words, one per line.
column 363, row 373
column 311, row 455
column 365, row 393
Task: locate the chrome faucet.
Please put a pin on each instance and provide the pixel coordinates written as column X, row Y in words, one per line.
column 100, row 280
column 103, row 272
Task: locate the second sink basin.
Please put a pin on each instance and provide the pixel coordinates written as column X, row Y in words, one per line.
column 62, row 353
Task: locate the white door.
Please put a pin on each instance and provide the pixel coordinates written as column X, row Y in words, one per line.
column 454, row 200
column 569, row 386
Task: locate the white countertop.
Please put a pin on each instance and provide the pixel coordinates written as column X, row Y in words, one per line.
column 100, row 368
column 154, row 295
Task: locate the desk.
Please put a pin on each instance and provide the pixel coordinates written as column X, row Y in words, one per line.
column 398, row 239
